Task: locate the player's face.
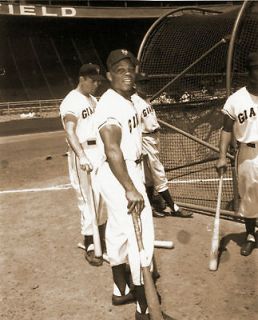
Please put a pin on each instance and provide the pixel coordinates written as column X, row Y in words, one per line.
column 122, row 77
column 88, row 85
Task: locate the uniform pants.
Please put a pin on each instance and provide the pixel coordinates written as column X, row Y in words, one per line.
column 120, row 235
column 153, row 168
column 247, row 173
column 79, row 181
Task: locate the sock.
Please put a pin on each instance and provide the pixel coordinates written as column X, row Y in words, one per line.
column 88, row 243
column 102, row 230
column 167, row 197
column 142, row 306
column 119, row 276
column 250, row 226
column 150, row 192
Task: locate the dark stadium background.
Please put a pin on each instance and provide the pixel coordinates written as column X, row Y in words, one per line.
column 40, row 56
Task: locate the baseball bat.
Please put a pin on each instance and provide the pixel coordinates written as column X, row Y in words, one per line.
column 213, row 262
column 149, row 287
column 95, row 228
column 163, row 244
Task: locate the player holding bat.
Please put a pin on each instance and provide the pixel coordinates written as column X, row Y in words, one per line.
column 77, row 114
column 241, row 121
column 120, row 180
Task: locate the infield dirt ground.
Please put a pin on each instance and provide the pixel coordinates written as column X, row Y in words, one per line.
column 44, row 276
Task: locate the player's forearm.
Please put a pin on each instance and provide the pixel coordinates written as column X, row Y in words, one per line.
column 225, row 139
column 74, row 144
column 118, row 167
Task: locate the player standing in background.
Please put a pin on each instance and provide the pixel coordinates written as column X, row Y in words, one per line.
column 155, row 175
column 121, row 181
column 77, row 114
column 241, row 120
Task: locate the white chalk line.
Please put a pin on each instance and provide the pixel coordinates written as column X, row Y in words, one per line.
column 69, row 186
column 55, row 188
column 198, row 180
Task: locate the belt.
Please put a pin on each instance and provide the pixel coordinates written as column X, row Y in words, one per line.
column 90, row 142
column 251, row 145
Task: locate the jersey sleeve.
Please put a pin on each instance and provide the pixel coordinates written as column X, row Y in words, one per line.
column 69, row 106
column 107, row 114
column 228, row 109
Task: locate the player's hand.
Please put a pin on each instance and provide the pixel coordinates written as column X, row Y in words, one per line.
column 221, row 166
column 85, row 164
column 135, row 201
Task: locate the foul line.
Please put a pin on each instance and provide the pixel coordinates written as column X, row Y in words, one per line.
column 198, row 180
column 69, row 186
column 60, row 187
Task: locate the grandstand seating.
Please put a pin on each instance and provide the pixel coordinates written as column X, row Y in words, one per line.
column 41, row 56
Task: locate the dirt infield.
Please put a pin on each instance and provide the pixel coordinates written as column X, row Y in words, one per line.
column 45, row 275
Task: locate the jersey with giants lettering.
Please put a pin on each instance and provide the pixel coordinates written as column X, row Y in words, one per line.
column 242, row 107
column 149, row 122
column 83, row 108
column 114, row 109
column 153, row 168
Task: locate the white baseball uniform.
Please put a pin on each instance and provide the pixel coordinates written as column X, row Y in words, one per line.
column 242, row 107
column 154, row 169
column 83, row 109
column 121, row 242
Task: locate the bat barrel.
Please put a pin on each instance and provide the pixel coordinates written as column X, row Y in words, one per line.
column 149, row 287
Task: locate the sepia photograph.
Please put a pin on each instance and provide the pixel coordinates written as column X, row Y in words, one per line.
column 128, row 160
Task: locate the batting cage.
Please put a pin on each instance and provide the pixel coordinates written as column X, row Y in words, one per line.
column 195, row 58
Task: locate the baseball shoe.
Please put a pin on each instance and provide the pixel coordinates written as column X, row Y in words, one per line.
column 141, row 316
column 121, row 300
column 157, row 214
column 179, row 212
column 247, row 247
column 94, row 261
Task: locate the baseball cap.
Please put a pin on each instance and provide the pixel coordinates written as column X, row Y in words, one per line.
column 141, row 77
column 118, row 55
column 91, row 70
column 252, row 60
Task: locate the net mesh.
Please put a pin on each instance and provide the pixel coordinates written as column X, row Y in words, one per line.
column 193, row 102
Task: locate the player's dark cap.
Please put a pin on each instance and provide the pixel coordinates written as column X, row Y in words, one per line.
column 141, row 77
column 118, row 55
column 252, row 60
column 91, row 70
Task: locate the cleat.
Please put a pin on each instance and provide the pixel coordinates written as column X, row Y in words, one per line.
column 247, row 248
column 179, row 212
column 121, row 300
column 92, row 259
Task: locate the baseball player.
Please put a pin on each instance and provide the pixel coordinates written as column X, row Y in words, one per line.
column 154, row 170
column 241, row 120
column 77, row 114
column 120, row 180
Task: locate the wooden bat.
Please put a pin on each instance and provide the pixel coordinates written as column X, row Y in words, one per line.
column 149, row 287
column 165, row 244
column 92, row 202
column 213, row 262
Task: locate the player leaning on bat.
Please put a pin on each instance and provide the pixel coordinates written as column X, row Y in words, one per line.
column 120, row 180
column 241, row 120
column 77, row 114
column 155, row 175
